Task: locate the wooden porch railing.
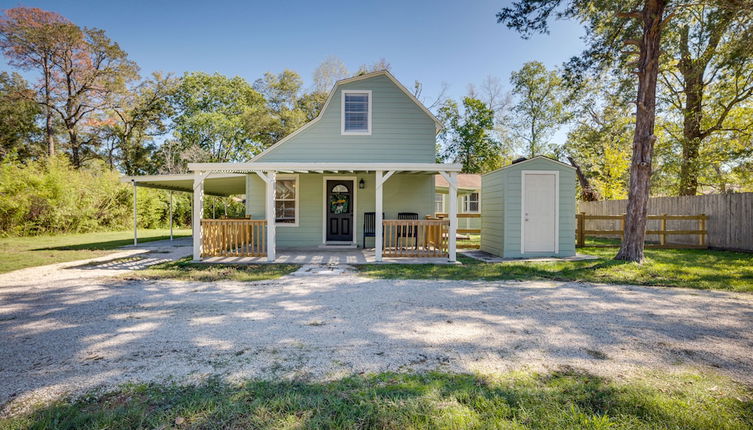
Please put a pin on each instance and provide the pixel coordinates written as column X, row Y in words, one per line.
column 234, row 238
column 581, row 232
column 416, row 238
column 469, row 243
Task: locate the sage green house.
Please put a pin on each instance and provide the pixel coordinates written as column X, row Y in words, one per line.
column 528, row 209
column 361, row 174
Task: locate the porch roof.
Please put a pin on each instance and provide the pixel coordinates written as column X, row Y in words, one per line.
column 289, row 167
column 215, row 185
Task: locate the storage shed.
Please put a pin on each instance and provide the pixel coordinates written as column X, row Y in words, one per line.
column 528, row 209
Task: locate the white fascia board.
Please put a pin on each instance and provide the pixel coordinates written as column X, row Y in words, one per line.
column 363, row 167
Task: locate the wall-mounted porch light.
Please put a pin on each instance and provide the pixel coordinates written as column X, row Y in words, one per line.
column 361, row 184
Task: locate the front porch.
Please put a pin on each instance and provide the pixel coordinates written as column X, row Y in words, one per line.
column 385, row 208
column 304, row 205
column 327, row 257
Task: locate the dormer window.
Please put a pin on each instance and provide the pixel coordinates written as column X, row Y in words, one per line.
column 356, row 112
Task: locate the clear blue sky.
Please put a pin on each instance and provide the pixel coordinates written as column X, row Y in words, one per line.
column 457, row 42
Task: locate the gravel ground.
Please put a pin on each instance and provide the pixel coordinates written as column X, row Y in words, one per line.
column 79, row 330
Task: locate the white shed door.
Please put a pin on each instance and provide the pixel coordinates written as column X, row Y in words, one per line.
column 539, row 212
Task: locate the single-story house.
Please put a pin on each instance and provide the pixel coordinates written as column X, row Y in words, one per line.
column 469, row 199
column 361, row 174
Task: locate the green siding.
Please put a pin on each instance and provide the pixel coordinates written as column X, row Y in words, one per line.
column 492, row 210
column 400, row 132
column 509, row 221
column 402, row 193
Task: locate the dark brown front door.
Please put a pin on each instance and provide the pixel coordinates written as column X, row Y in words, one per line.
column 340, row 211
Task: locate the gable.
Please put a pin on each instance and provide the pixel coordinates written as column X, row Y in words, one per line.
column 402, row 130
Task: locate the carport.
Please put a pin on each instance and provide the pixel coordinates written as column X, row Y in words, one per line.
column 220, row 185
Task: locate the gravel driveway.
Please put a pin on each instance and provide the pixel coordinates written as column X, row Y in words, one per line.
column 77, row 331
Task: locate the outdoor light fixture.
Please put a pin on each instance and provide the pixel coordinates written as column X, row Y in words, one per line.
column 361, row 184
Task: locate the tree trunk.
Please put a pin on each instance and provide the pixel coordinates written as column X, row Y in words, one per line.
column 644, row 138
column 75, row 153
column 588, row 192
column 692, row 135
column 48, row 110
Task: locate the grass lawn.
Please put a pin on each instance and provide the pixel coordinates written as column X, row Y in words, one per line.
column 19, row 252
column 562, row 400
column 693, row 268
column 184, row 270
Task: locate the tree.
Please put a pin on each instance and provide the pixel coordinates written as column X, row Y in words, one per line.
column 31, row 38
column 708, row 73
column 611, row 26
column 467, row 137
column 331, row 70
column 18, row 118
column 135, row 116
column 380, row 65
column 283, row 93
column 539, row 109
column 211, row 117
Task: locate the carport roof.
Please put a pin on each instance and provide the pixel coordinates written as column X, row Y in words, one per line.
column 214, row 185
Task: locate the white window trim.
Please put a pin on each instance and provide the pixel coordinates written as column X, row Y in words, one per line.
column 342, row 114
column 297, row 198
column 443, row 203
column 354, row 187
column 556, row 175
column 467, row 200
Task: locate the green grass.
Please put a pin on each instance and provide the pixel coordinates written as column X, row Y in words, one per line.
column 185, row 270
column 20, row 252
column 692, row 268
column 560, row 400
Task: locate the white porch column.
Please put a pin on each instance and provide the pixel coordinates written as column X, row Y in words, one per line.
column 171, row 215
column 453, row 215
column 198, row 212
column 378, row 228
column 269, row 209
column 381, row 178
column 135, row 217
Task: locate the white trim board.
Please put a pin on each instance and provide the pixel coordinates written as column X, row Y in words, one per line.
column 556, row 175
column 354, row 189
column 306, row 167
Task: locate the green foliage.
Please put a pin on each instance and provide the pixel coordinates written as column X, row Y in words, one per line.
column 564, row 399
column 211, row 116
column 539, row 109
column 19, row 133
column 50, row 196
column 467, row 135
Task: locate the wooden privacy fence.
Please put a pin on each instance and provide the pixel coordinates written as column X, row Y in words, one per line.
column 729, row 224
column 234, row 238
column 416, row 238
column 465, row 244
column 581, row 231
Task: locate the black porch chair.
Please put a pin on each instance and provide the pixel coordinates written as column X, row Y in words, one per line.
column 408, row 231
column 369, row 226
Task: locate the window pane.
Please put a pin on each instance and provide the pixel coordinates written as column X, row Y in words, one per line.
column 285, row 189
column 438, row 203
column 356, row 112
column 285, row 211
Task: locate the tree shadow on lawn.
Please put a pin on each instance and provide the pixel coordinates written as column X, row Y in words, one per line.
column 562, row 399
column 103, row 245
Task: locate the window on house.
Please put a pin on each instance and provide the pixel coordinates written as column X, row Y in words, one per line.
column 286, row 200
column 470, row 202
column 438, row 203
column 356, row 117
